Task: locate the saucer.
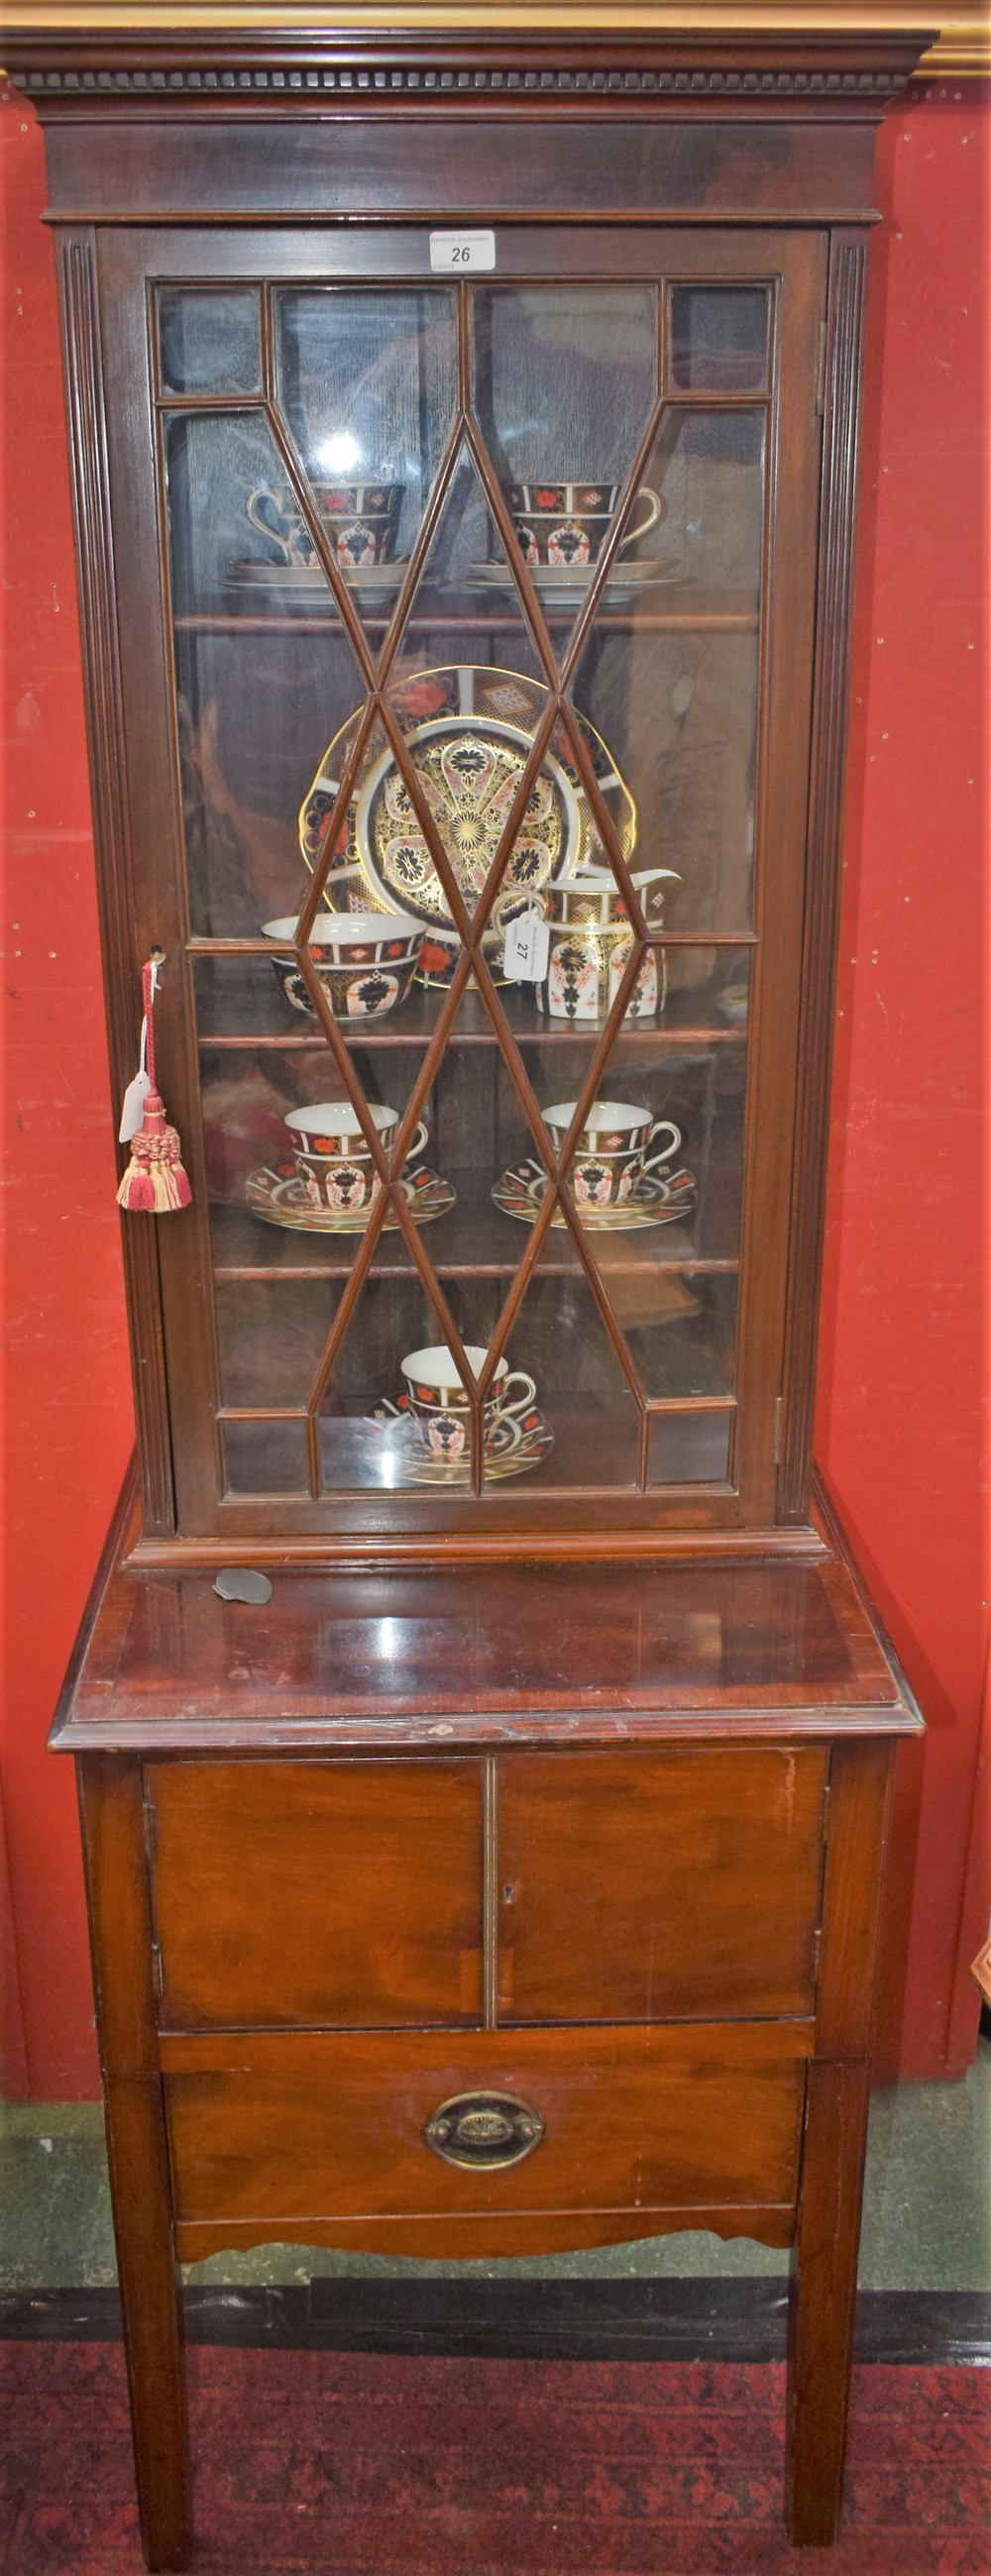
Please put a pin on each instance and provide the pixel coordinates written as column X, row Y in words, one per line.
column 567, row 585
column 309, row 581
column 521, row 1191
column 279, row 1198
column 504, row 1455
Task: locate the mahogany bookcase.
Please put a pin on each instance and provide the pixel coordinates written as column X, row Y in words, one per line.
column 464, row 432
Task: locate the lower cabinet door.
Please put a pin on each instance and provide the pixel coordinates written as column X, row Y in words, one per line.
column 276, row 2134
column 317, row 1892
column 659, row 1885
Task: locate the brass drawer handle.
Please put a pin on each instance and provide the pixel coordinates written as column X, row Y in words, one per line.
column 484, row 2129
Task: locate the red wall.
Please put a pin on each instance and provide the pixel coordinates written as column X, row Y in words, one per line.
column 67, row 1422
column 903, row 1361
column 898, row 1432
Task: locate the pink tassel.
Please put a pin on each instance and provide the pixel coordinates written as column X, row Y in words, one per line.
column 155, row 1180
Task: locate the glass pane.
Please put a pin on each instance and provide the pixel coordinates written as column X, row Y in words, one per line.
column 707, row 466
column 367, row 383
column 587, row 1421
column 305, row 758
column 719, row 338
column 466, row 550
column 291, row 1177
column 469, row 726
column 681, row 1336
column 656, row 1172
column 672, row 686
column 395, row 1412
column 208, row 340
column 565, row 381
column 259, row 677
column 271, row 1335
column 689, row 1448
column 265, row 1457
column 680, row 711
column 565, row 377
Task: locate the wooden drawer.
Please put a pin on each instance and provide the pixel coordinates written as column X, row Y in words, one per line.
column 339, row 1893
column 641, row 1886
column 278, row 2134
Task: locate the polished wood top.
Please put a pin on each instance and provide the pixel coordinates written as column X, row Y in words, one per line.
column 550, row 1654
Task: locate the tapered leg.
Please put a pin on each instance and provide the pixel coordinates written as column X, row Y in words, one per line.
column 823, row 2299
column 149, row 2293
column 121, row 1940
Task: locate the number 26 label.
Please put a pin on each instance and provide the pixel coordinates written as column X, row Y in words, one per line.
column 462, row 250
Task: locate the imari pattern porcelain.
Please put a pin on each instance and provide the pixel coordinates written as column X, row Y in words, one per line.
column 279, row 1196
column 656, row 1200
column 332, row 1158
column 567, row 523
column 512, row 1448
column 469, row 730
column 585, row 968
column 360, row 519
column 307, row 584
column 365, row 962
column 565, row 586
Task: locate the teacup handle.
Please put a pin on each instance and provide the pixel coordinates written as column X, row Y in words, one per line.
column 264, row 526
column 666, row 1151
column 417, row 1141
column 517, row 1377
column 655, row 511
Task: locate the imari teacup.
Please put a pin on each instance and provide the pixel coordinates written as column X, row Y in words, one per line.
column 568, row 522
column 332, row 1158
column 611, row 1157
column 438, row 1398
column 361, row 520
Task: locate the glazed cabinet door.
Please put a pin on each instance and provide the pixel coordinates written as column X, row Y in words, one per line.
column 466, row 632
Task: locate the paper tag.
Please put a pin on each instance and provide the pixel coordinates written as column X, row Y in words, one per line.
column 133, row 1110
column 462, row 250
column 137, row 1091
column 525, row 954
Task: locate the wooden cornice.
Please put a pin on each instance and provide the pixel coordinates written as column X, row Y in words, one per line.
column 960, row 41
column 175, row 60
column 71, row 49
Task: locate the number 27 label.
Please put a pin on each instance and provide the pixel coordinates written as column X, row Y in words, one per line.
column 462, row 250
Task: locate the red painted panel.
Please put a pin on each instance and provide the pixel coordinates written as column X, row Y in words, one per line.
column 902, row 1366
column 900, row 1348
column 67, row 1395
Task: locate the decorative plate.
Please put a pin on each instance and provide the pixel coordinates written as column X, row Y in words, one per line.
column 469, row 730
column 279, row 1198
column 521, row 1192
column 505, row 1454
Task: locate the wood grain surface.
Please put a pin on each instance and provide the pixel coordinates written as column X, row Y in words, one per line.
column 291, row 2127
column 645, row 1886
column 337, row 1893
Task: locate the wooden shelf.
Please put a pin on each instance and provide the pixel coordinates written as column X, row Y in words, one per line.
column 478, row 622
column 476, row 1241
column 470, row 610
column 689, row 1020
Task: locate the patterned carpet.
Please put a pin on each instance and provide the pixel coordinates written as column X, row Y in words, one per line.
column 364, row 2465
